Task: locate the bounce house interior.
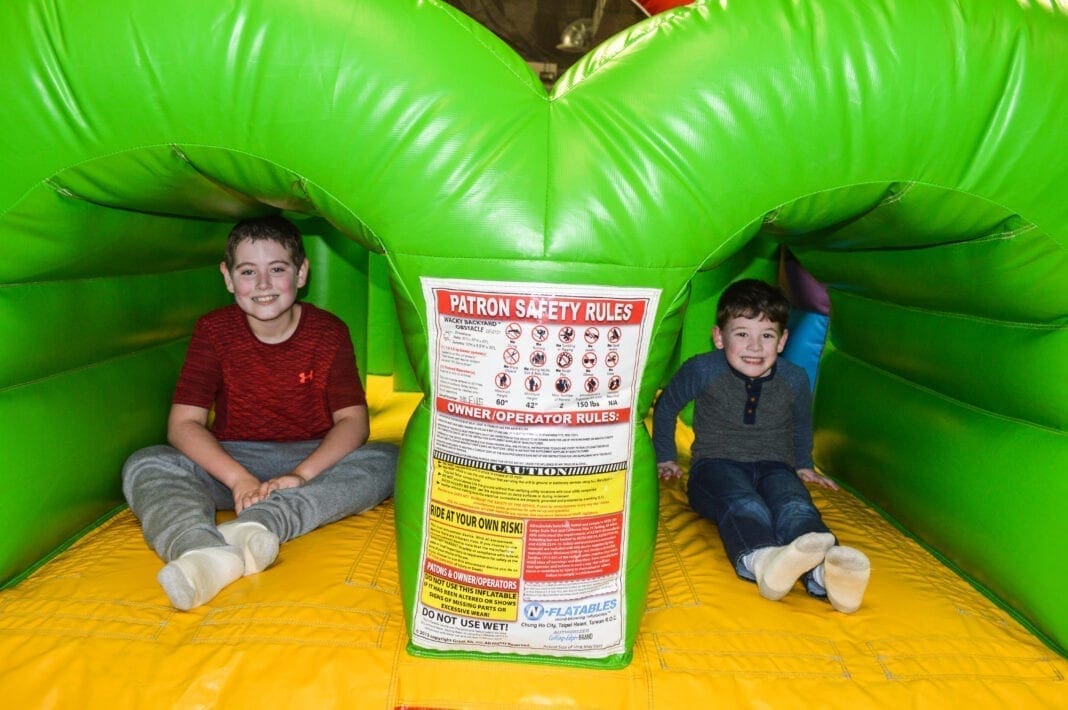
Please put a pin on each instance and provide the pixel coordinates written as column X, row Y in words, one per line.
column 897, row 165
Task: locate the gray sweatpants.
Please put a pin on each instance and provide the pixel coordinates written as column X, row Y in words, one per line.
column 175, row 499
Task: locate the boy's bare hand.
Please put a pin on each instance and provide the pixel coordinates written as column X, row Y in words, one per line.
column 247, row 492
column 668, row 470
column 286, row 480
column 809, row 476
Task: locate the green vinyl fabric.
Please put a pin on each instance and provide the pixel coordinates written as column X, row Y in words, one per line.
column 909, row 152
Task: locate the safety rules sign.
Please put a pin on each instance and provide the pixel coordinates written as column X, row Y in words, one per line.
column 534, row 392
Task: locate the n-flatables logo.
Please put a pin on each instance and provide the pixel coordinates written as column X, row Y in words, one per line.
column 535, row 611
column 580, row 609
column 306, row 377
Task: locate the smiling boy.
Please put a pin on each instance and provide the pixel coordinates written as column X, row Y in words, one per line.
column 287, row 448
column 752, row 449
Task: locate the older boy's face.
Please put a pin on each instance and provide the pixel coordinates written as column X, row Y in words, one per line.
column 264, row 280
column 752, row 345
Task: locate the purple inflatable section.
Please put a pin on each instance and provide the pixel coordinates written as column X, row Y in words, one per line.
column 805, row 292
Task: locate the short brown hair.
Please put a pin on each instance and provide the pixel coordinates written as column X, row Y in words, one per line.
column 275, row 228
column 753, row 298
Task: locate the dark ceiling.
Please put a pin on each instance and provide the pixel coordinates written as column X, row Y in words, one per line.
column 536, row 28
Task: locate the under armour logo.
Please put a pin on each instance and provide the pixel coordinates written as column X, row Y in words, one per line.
column 306, row 377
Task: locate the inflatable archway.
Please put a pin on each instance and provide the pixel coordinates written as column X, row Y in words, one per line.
column 908, row 152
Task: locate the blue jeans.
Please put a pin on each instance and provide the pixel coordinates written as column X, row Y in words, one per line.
column 754, row 505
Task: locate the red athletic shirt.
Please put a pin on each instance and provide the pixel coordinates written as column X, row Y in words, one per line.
column 284, row 391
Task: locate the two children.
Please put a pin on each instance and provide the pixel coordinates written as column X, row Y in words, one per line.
column 287, row 448
column 752, row 453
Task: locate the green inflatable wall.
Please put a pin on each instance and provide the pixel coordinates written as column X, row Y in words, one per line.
column 911, row 153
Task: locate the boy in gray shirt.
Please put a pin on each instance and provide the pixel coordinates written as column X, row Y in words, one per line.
column 752, row 453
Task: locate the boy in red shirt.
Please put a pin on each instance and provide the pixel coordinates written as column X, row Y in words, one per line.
column 287, row 449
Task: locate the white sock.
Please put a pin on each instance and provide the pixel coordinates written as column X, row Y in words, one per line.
column 258, row 545
column 198, row 575
column 817, row 574
column 777, row 569
column 846, row 571
column 747, row 560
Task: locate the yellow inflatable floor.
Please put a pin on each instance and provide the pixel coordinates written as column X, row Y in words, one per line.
column 324, row 628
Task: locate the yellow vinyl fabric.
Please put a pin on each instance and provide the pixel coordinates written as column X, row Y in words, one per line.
column 324, row 628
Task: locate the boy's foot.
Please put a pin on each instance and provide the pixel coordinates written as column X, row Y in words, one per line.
column 845, row 575
column 258, row 545
column 777, row 569
column 198, row 575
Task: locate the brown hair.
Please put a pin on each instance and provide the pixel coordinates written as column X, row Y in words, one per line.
column 275, row 228
column 753, row 298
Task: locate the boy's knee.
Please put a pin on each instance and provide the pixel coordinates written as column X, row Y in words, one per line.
column 799, row 508
column 374, row 462
column 379, row 455
column 747, row 507
column 144, row 459
column 149, row 454
column 381, row 448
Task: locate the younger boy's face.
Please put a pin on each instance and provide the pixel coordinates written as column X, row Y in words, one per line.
column 264, row 280
column 752, row 345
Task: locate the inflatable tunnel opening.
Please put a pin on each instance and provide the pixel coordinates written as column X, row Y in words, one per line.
column 919, row 300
